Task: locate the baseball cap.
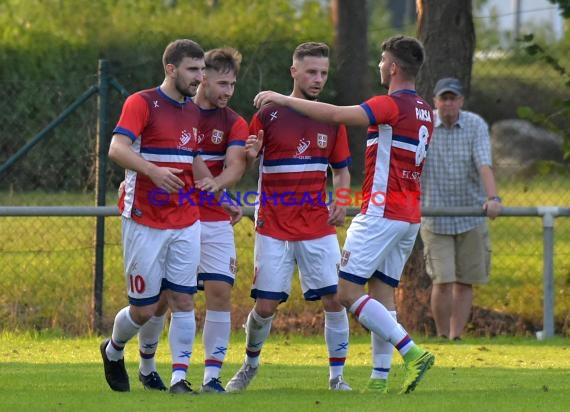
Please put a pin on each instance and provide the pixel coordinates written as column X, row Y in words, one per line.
column 448, row 85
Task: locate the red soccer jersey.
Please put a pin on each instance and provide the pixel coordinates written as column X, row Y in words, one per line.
column 219, row 129
column 401, row 126
column 293, row 172
column 163, row 132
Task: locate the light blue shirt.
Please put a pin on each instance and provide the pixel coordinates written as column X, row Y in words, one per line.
column 450, row 176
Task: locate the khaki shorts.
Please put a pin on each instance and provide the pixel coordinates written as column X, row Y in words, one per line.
column 463, row 258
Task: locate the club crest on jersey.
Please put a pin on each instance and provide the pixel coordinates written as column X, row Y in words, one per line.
column 344, row 258
column 322, row 140
column 233, row 265
column 185, row 137
column 217, row 136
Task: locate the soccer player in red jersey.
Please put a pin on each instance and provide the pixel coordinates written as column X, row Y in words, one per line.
column 222, row 135
column 293, row 224
column 155, row 141
column 380, row 238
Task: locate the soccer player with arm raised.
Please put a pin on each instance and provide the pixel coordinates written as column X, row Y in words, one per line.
column 381, row 237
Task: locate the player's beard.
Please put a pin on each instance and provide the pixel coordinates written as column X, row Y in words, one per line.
column 187, row 91
column 385, row 80
column 308, row 96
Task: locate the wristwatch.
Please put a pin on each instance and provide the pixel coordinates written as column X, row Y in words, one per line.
column 495, row 198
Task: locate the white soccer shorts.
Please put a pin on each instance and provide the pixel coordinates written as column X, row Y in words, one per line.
column 217, row 254
column 275, row 260
column 156, row 259
column 376, row 246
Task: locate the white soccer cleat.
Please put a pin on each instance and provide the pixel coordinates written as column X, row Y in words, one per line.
column 242, row 378
column 338, row 384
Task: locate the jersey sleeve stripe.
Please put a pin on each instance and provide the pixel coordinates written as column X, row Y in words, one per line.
column 125, row 132
column 345, row 163
column 368, row 110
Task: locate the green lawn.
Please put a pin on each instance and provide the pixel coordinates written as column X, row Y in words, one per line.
column 42, row 373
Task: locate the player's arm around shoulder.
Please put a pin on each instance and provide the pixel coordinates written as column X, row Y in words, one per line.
column 253, row 146
column 234, row 167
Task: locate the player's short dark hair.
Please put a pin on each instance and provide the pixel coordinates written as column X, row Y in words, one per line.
column 408, row 52
column 176, row 51
column 223, row 60
column 313, row 49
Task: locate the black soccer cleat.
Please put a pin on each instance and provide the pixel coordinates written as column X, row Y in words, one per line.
column 182, row 387
column 115, row 371
column 152, row 381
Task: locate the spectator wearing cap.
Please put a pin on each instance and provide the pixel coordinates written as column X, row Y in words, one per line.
column 457, row 173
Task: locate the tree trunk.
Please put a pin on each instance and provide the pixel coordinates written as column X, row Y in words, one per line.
column 350, row 19
column 413, row 294
column 446, row 29
column 403, row 13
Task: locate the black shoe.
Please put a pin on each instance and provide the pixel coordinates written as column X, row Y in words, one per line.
column 181, row 387
column 152, row 381
column 115, row 372
column 213, row 386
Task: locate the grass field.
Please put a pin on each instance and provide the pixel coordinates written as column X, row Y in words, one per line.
column 46, row 263
column 43, row 373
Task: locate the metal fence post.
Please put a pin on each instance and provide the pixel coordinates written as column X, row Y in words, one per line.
column 548, row 215
column 100, row 192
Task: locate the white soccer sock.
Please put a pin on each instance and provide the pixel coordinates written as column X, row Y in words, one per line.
column 181, row 338
column 149, row 335
column 382, row 351
column 336, row 337
column 256, row 331
column 124, row 328
column 216, row 335
column 375, row 317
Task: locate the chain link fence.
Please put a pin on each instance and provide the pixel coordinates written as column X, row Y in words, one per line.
column 46, row 263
